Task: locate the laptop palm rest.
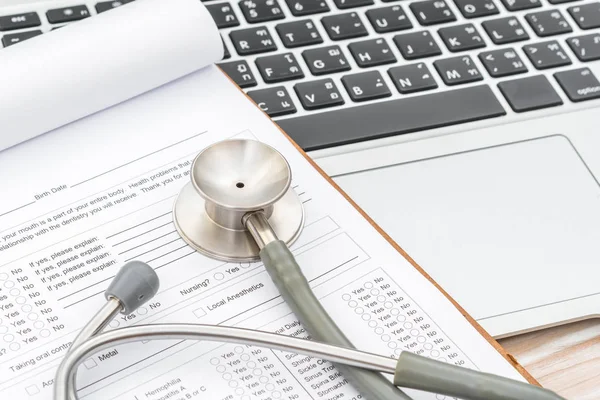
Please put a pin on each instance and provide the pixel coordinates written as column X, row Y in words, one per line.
column 510, row 230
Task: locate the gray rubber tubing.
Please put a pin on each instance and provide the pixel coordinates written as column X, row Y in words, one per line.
column 425, row 374
column 295, row 290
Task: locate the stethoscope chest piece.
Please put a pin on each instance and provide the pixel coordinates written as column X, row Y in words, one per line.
column 230, row 180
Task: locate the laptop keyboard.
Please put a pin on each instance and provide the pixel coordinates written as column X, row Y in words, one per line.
column 333, row 72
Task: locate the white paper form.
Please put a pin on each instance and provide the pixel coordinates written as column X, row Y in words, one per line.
column 100, row 192
column 82, row 68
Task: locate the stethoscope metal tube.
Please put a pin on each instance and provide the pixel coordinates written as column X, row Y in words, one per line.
column 95, row 326
column 65, row 374
column 259, row 228
column 107, row 313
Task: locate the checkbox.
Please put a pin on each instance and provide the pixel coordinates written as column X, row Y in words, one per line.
column 199, row 312
column 90, row 363
column 32, row 389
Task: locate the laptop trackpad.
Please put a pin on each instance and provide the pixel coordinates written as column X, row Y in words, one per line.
column 502, row 229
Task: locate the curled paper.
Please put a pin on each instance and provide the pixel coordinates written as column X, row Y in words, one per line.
column 80, row 69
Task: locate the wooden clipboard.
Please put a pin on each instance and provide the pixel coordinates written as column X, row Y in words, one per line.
column 404, row 254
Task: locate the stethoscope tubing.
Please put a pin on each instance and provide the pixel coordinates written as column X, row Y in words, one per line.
column 64, row 381
column 137, row 282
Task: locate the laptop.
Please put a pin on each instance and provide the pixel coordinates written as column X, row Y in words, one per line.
column 468, row 129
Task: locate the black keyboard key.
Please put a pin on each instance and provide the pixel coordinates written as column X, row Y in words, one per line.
column 14, row 38
column 505, row 30
column 366, row 86
column 325, row 60
column 223, row 15
column 579, row 84
column 546, row 55
column 344, row 26
column 517, row 5
column 279, row 68
column 560, row 1
column 239, row 72
column 587, row 47
column 528, row 94
column 67, row 14
column 299, row 33
column 548, row 23
column 503, row 62
column 275, row 101
column 412, row 78
column 252, row 41
column 318, row 94
column 307, row 7
column 461, row 37
column 388, row 19
column 256, row 11
column 587, row 16
column 458, row 70
column 343, row 4
column 432, row 12
column 476, row 8
column 19, row 21
column 393, row 117
column 417, row 45
column 109, row 5
column 370, row 53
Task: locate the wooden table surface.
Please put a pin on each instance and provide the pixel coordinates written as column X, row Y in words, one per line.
column 565, row 359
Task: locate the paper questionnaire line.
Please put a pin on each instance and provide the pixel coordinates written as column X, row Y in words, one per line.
column 138, row 159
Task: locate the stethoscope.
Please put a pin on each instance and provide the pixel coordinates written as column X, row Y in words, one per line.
column 239, row 206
